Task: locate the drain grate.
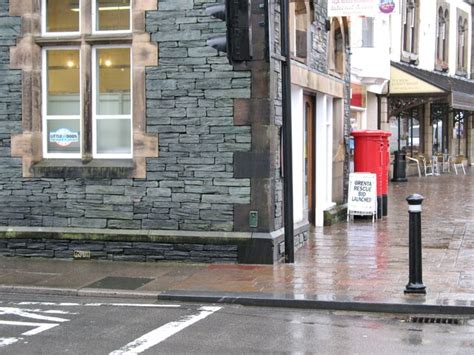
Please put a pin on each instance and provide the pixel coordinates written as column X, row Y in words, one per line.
column 120, row 283
column 435, row 320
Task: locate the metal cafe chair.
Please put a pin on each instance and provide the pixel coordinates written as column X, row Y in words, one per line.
column 446, row 163
column 416, row 162
column 427, row 166
column 458, row 163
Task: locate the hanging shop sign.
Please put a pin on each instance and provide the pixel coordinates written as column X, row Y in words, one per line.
column 362, row 195
column 368, row 8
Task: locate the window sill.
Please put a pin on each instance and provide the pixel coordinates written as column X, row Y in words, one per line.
column 461, row 72
column 410, row 58
column 76, row 168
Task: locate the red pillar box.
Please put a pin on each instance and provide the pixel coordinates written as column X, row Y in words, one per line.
column 370, row 156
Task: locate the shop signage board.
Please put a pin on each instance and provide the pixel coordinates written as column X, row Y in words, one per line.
column 362, row 195
column 404, row 83
column 368, row 8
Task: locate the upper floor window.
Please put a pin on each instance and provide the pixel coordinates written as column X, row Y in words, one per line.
column 410, row 31
column 442, row 38
column 462, row 43
column 87, row 110
column 367, row 32
column 301, row 18
column 336, row 48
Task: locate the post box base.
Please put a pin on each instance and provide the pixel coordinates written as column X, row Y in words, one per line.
column 379, row 207
column 384, row 205
column 397, row 179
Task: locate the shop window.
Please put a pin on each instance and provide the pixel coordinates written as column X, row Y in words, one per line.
column 410, row 31
column 406, row 132
column 439, row 125
column 111, row 85
column 336, row 49
column 459, row 135
column 80, row 76
column 442, row 37
column 62, row 134
column 462, row 41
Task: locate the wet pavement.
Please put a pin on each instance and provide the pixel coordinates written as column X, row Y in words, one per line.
column 356, row 262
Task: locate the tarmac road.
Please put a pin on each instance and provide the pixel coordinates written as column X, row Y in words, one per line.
column 36, row 324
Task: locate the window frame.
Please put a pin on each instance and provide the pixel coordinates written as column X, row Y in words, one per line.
column 336, row 58
column 44, row 19
column 410, row 24
column 462, row 27
column 44, row 106
column 94, row 116
column 96, row 31
column 28, row 143
column 442, row 39
column 368, row 32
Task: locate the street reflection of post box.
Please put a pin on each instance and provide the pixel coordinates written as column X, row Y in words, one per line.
column 371, row 155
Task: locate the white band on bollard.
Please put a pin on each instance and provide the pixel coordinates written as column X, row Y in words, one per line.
column 414, row 208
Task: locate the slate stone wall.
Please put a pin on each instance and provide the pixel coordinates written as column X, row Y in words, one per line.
column 190, row 98
column 118, row 251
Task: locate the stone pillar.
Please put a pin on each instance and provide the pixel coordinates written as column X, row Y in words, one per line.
column 427, row 131
column 470, row 137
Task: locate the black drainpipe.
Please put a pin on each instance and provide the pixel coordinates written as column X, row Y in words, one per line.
column 287, row 142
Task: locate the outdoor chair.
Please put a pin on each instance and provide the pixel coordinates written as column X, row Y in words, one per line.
column 427, row 166
column 458, row 163
column 414, row 161
column 445, row 160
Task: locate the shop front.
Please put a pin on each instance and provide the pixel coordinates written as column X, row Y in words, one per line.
column 430, row 114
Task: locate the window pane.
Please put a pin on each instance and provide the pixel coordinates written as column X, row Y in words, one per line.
column 114, row 136
column 62, row 15
column 64, row 136
column 113, row 96
column 113, row 15
column 63, row 82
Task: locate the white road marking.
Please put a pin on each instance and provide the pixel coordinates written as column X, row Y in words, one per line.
column 40, row 327
column 157, row 335
column 8, row 341
column 145, row 305
column 133, row 305
column 29, row 314
column 46, row 304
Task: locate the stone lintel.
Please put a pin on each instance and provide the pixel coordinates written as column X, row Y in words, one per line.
column 316, row 81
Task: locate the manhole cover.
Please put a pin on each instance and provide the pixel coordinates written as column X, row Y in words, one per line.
column 120, row 283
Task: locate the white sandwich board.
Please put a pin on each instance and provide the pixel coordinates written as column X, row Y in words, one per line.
column 362, row 198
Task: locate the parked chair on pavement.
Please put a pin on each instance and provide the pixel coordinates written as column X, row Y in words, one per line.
column 414, row 161
column 445, row 160
column 458, row 163
column 427, row 166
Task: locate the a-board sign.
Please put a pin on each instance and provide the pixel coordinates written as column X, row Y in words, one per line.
column 362, row 198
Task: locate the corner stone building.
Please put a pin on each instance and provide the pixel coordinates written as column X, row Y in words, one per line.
column 177, row 159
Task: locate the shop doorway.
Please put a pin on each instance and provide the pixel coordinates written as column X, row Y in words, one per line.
column 309, row 157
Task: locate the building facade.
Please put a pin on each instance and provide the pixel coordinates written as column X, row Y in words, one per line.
column 429, row 100
column 125, row 136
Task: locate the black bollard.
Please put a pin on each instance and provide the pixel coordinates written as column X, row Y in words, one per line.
column 415, row 284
